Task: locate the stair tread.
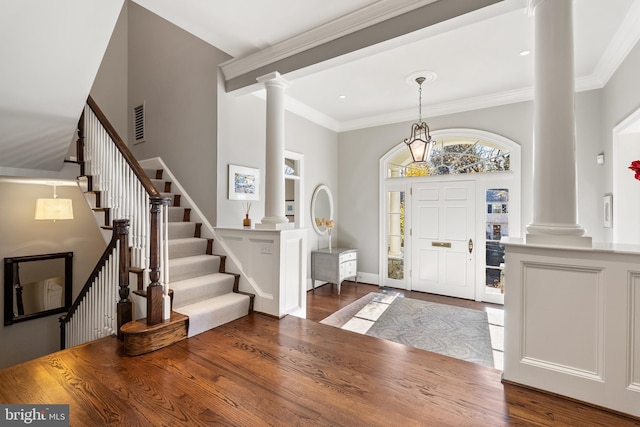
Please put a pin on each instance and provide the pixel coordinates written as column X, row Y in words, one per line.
column 179, row 240
column 205, row 278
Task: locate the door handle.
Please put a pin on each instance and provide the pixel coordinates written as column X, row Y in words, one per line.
column 470, row 245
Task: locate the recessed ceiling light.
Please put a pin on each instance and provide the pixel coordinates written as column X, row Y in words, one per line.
column 342, row 96
column 525, row 52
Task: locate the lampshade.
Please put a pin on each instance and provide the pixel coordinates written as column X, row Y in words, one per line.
column 54, row 209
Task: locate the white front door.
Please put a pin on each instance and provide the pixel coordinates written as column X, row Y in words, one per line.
column 442, row 233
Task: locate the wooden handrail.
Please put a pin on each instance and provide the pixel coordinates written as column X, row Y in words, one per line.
column 122, row 147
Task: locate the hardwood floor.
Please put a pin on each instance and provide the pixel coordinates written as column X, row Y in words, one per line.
column 263, row 371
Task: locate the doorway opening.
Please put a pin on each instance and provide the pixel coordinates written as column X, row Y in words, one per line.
column 626, row 148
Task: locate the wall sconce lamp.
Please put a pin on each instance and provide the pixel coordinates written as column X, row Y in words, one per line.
column 54, row 209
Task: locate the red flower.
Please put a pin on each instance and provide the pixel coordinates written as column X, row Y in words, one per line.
column 635, row 166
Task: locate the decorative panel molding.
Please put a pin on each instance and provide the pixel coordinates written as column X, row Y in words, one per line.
column 428, row 194
column 455, row 270
column 562, row 319
column 428, row 221
column 293, row 293
column 429, row 265
column 455, row 193
column 456, row 223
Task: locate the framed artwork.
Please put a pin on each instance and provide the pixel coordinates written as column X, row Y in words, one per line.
column 244, row 183
column 290, row 208
column 607, row 204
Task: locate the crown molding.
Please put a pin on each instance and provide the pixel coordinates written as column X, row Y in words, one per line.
column 623, row 41
column 362, row 18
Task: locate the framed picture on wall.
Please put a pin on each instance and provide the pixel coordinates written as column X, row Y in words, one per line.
column 290, row 208
column 607, row 204
column 244, row 183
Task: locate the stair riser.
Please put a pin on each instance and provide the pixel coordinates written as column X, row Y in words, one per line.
column 181, row 230
column 176, row 214
column 202, row 287
column 193, row 269
column 202, row 319
column 187, row 249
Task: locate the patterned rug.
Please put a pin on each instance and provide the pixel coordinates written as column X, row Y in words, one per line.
column 452, row 331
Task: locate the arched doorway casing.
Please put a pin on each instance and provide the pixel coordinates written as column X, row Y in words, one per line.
column 396, row 222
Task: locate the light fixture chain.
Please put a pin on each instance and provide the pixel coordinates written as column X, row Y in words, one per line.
column 420, row 106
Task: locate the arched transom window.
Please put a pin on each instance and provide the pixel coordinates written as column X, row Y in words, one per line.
column 453, row 155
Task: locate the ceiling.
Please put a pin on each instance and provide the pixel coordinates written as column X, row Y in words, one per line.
column 476, row 59
column 474, row 54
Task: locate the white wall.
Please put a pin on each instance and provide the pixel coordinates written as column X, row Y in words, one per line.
column 359, row 152
column 22, row 235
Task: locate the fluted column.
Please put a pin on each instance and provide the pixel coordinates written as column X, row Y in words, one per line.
column 555, row 206
column 274, row 154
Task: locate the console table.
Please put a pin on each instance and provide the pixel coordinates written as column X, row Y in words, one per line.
column 334, row 266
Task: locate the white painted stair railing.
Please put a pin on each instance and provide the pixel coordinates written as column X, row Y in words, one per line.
column 121, row 186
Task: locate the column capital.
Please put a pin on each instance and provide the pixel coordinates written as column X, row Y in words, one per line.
column 274, row 79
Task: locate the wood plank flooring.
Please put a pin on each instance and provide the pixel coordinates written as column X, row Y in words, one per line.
column 259, row 371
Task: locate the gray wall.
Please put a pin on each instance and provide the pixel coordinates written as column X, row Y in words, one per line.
column 109, row 89
column 359, row 152
column 175, row 75
column 22, row 235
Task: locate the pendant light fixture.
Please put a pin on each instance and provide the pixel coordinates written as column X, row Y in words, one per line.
column 420, row 143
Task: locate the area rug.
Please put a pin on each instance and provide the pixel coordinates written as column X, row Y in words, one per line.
column 452, row 331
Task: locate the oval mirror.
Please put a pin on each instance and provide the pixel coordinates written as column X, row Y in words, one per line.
column 321, row 209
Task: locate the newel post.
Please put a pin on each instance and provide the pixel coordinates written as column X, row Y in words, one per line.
column 125, row 309
column 155, row 290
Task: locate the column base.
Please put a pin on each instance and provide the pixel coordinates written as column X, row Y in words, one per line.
column 559, row 240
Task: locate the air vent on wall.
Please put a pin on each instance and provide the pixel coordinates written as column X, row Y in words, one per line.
column 138, row 120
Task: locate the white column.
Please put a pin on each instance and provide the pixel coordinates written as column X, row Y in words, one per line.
column 274, row 154
column 555, row 215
